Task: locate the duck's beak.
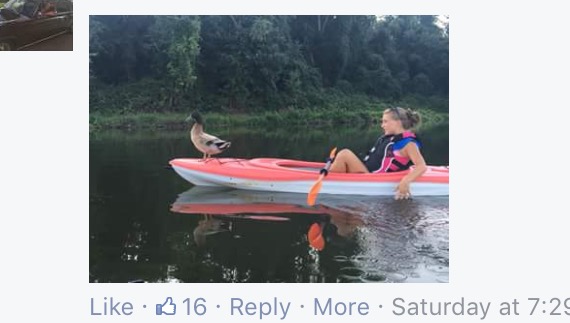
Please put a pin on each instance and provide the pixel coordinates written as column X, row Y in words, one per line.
column 189, row 119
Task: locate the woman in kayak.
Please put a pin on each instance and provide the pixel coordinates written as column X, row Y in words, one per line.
column 396, row 150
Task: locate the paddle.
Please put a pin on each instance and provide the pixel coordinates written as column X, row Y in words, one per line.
column 315, row 237
column 316, row 188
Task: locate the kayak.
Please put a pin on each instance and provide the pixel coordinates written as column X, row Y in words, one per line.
column 295, row 176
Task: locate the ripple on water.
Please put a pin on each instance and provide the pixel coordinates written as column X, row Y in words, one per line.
column 348, row 279
column 443, row 260
column 361, row 259
column 438, row 269
column 414, row 275
column 403, row 242
column 405, row 266
column 340, row 258
column 424, row 248
column 373, row 277
column 396, row 277
column 351, row 272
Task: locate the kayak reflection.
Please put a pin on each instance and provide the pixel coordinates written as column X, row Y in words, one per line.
column 220, row 208
column 248, row 236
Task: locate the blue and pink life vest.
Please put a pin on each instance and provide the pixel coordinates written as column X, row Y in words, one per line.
column 384, row 156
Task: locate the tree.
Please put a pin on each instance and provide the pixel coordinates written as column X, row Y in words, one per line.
column 270, row 62
column 175, row 43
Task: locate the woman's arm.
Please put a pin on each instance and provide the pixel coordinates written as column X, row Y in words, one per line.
column 411, row 151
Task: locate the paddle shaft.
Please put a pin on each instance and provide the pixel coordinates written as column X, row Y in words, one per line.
column 325, row 170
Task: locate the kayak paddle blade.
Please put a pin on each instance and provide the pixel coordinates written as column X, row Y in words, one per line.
column 312, row 197
column 314, row 231
column 315, row 237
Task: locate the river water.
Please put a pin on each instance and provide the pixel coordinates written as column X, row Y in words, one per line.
column 146, row 224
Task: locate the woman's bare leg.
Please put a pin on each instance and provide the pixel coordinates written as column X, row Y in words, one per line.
column 347, row 162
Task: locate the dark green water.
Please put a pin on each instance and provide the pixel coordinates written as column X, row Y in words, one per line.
column 146, row 224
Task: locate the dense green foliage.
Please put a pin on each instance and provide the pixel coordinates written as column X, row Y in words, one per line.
column 264, row 63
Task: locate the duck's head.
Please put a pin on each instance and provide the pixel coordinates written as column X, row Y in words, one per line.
column 195, row 117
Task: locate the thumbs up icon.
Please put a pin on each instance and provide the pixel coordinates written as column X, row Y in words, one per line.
column 168, row 308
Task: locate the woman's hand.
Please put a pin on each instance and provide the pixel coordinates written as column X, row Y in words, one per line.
column 403, row 190
column 411, row 151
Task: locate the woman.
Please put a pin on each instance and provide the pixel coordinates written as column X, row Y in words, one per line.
column 397, row 150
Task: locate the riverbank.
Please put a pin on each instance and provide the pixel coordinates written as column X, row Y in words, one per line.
column 293, row 117
column 145, row 105
column 99, row 122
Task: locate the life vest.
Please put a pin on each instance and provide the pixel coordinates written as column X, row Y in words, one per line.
column 382, row 158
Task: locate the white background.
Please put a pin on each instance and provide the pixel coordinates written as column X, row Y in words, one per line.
column 509, row 218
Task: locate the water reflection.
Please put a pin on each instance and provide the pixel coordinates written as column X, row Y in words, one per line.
column 364, row 239
column 220, row 207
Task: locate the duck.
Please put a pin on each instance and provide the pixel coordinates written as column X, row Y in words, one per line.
column 209, row 145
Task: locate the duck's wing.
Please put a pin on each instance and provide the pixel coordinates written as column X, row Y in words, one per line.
column 212, row 140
